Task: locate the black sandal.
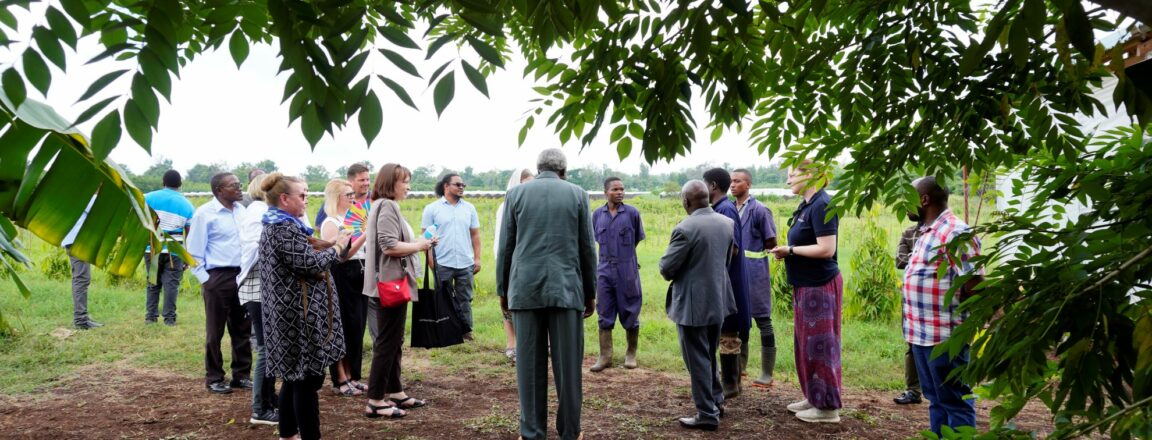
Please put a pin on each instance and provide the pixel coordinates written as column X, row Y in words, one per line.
column 412, row 402
column 374, row 412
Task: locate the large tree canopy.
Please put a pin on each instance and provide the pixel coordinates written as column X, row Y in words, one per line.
column 903, row 88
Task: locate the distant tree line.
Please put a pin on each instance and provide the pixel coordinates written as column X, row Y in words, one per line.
column 424, row 178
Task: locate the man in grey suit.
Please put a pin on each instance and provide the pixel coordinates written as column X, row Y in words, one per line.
column 546, row 277
column 700, row 297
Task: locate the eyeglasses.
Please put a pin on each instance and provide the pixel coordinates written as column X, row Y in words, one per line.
column 302, row 196
column 234, row 185
column 460, row 185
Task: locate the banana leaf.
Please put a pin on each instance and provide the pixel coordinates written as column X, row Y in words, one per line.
column 48, row 175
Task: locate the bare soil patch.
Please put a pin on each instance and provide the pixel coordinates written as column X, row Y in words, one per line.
column 473, row 402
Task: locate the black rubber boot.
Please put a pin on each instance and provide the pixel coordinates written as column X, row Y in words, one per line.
column 730, row 375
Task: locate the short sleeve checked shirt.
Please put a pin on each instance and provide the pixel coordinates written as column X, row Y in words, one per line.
column 927, row 320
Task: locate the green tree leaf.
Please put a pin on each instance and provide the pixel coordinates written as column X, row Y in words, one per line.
column 100, row 83
column 311, row 127
column 1079, row 29
column 440, row 42
column 37, row 72
column 93, row 110
column 444, row 92
column 524, row 130
column 398, row 37
column 489, row 53
column 106, row 135
column 475, row 77
column 138, row 125
column 78, row 12
column 399, row 91
column 371, row 117
column 145, row 100
column 624, row 148
column 238, row 47
column 618, row 132
column 61, row 26
column 400, row 62
column 50, row 46
column 14, row 87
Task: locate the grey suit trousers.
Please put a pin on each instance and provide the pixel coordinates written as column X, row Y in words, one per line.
column 81, row 278
column 535, row 328
column 699, row 345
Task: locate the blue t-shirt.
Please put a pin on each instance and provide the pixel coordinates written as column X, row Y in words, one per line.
column 807, row 224
column 173, row 210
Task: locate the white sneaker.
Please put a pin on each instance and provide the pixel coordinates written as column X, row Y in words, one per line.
column 800, row 406
column 817, row 415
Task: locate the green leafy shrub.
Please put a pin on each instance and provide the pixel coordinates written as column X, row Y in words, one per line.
column 56, row 266
column 875, row 290
column 781, row 290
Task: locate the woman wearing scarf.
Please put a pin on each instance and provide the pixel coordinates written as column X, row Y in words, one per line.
column 518, row 177
column 302, row 329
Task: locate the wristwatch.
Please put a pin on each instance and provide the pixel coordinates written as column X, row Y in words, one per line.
column 790, row 252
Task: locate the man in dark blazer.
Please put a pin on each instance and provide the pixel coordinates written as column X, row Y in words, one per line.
column 546, row 277
column 700, row 297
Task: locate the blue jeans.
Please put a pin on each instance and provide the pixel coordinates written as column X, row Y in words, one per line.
column 263, row 388
column 947, row 405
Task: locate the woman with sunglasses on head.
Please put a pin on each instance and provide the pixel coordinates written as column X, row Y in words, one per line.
column 818, row 290
column 392, row 250
column 302, row 327
column 338, row 198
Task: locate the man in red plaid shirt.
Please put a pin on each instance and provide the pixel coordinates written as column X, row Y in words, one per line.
column 928, row 321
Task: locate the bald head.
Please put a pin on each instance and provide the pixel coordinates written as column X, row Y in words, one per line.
column 694, row 195
column 928, row 187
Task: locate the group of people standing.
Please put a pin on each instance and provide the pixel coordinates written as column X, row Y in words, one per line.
column 720, row 279
column 307, row 300
column 550, row 276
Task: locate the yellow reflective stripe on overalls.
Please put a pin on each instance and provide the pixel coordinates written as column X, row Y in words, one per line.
column 755, row 254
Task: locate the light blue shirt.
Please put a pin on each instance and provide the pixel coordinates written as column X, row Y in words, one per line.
column 454, row 225
column 214, row 237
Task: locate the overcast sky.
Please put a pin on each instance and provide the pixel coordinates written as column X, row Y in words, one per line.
column 221, row 113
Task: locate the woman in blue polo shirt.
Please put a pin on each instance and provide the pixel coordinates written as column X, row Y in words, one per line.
column 810, row 262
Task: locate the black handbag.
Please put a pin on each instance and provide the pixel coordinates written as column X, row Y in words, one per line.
column 436, row 321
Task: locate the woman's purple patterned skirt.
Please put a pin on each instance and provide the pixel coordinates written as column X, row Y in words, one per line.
column 817, row 339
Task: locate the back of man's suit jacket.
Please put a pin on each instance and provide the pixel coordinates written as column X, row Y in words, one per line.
column 697, row 264
column 547, row 254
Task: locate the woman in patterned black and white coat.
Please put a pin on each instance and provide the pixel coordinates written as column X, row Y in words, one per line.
column 302, row 330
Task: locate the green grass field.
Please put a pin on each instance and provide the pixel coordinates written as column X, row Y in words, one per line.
column 34, row 359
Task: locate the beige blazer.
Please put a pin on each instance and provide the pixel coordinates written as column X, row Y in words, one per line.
column 386, row 228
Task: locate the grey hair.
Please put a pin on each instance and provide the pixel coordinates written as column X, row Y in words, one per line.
column 695, row 189
column 552, row 159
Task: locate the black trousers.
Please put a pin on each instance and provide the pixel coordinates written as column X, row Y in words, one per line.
column 384, row 377
column 222, row 308
column 300, row 408
column 349, row 280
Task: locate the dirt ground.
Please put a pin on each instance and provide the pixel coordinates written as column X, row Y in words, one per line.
column 114, row 403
